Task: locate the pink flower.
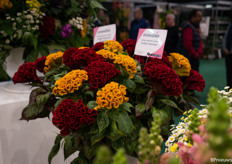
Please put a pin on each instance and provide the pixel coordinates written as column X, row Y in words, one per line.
column 197, row 138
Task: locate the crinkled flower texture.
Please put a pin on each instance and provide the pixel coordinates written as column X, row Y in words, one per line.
column 106, row 54
column 98, row 46
column 77, row 58
column 129, row 46
column 70, row 116
column 53, row 61
column 4, row 4
column 26, row 73
column 128, row 63
column 111, row 96
column 113, row 46
column 195, row 81
column 40, row 63
column 180, row 64
column 100, row 73
column 70, row 82
column 165, row 79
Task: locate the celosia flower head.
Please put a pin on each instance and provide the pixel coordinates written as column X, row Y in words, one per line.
column 5, row 4
column 70, row 116
column 106, row 54
column 98, row 46
column 180, row 64
column 129, row 46
column 68, row 58
column 100, row 73
column 113, row 46
column 70, row 82
column 26, row 73
column 111, row 96
column 40, row 63
column 53, row 60
column 128, row 63
column 164, row 79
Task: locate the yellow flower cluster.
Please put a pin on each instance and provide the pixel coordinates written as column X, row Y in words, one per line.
column 34, row 4
column 106, row 54
column 111, row 96
column 113, row 46
column 180, row 64
column 53, row 60
column 70, row 82
column 82, row 47
column 128, row 63
column 5, row 4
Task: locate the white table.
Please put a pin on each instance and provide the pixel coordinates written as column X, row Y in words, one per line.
column 23, row 142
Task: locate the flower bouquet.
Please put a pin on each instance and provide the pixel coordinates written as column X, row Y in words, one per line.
column 103, row 96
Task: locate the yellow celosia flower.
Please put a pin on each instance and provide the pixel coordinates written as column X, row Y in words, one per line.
column 173, row 148
column 70, row 82
column 53, row 60
column 180, row 64
column 111, row 96
column 106, row 54
column 34, row 4
column 128, row 63
column 83, row 32
column 5, row 4
column 113, row 46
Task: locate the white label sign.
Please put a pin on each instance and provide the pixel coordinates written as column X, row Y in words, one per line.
column 150, row 43
column 104, row 33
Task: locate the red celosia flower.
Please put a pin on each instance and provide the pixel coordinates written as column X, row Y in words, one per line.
column 48, row 26
column 129, row 45
column 70, row 116
column 164, row 60
column 68, row 58
column 164, row 79
column 26, row 73
column 100, row 73
column 83, row 57
column 98, row 46
column 195, row 81
column 40, row 63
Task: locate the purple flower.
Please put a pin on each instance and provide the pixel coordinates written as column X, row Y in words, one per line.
column 66, row 31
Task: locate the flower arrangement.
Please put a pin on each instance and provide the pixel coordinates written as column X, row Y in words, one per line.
column 40, row 25
column 103, row 96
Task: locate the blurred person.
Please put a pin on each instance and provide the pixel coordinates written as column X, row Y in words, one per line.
column 100, row 17
column 190, row 44
column 227, row 49
column 172, row 35
column 137, row 23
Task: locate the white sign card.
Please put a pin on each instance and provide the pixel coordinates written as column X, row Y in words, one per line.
column 104, row 33
column 150, row 43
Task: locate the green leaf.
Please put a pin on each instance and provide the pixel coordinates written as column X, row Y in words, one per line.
column 31, row 111
column 123, row 120
column 130, row 84
column 139, row 109
column 126, row 106
column 92, row 104
column 113, row 132
column 118, row 143
column 140, row 90
column 160, row 113
column 55, row 148
column 67, row 145
column 30, row 54
column 43, row 49
column 57, row 103
column 169, row 102
column 91, row 93
column 94, row 129
column 96, row 4
column 102, row 120
column 138, row 79
column 97, row 137
column 43, row 98
column 130, row 145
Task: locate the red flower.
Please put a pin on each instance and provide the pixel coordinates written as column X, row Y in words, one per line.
column 129, row 45
column 40, row 63
column 195, row 81
column 26, row 73
column 48, row 26
column 164, row 60
column 163, row 76
column 70, row 116
column 98, row 46
column 83, row 57
column 100, row 73
column 68, row 58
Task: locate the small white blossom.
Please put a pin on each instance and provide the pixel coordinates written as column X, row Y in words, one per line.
column 7, row 41
column 19, row 14
column 8, row 18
